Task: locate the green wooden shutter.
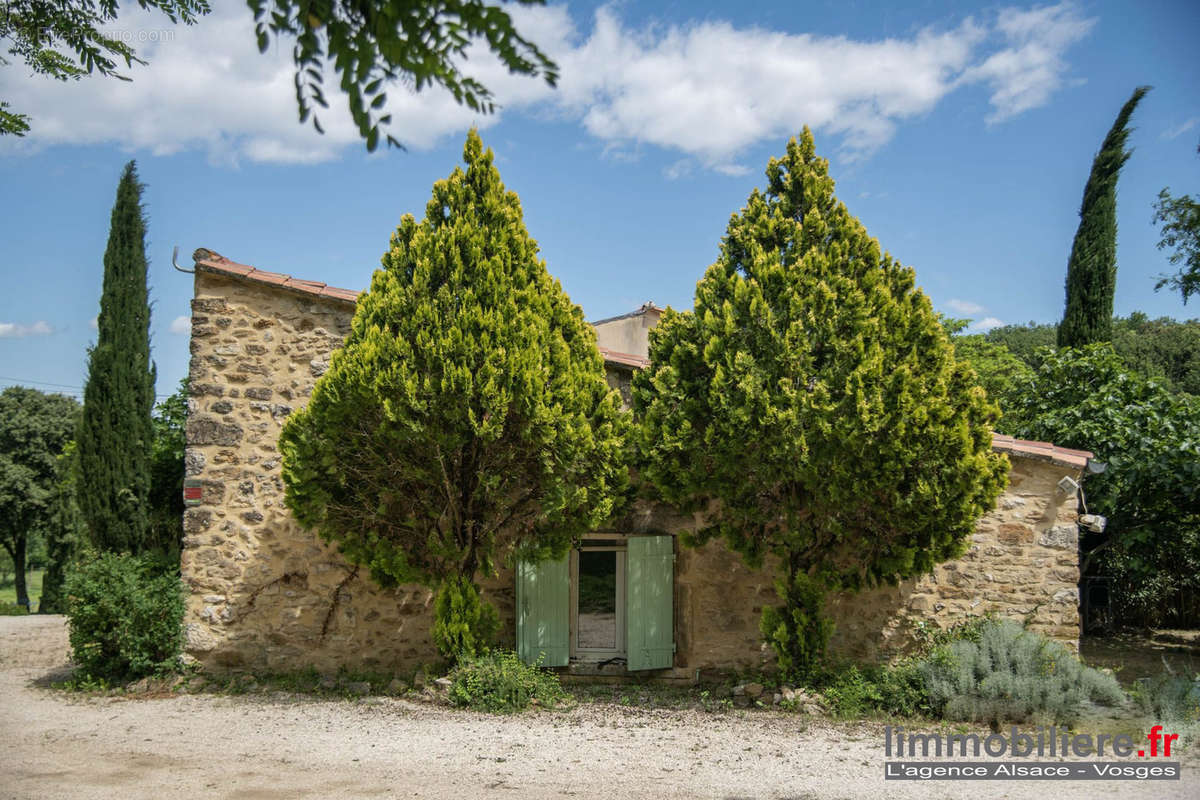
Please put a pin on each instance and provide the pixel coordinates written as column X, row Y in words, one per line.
column 543, row 612
column 649, row 611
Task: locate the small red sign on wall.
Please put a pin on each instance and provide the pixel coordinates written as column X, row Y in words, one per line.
column 192, row 492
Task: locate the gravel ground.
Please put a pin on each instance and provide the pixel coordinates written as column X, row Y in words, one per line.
column 56, row 745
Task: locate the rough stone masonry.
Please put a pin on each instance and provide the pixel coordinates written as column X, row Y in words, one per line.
column 265, row 594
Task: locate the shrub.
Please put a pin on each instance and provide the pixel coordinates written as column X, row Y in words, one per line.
column 126, row 616
column 857, row 691
column 899, row 689
column 1012, row 674
column 467, row 420
column 930, row 636
column 12, row 610
column 464, row 623
column 498, row 681
column 798, row 631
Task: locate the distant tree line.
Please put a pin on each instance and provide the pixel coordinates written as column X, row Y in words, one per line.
column 41, row 526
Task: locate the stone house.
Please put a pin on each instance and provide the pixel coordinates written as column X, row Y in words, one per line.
column 266, row 594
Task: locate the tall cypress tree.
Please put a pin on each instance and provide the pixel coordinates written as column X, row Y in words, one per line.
column 1092, row 269
column 115, row 432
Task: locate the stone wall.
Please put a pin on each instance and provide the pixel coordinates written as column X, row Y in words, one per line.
column 1023, row 563
column 266, row 594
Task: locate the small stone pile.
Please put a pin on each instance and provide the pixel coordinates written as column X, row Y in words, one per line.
column 807, row 702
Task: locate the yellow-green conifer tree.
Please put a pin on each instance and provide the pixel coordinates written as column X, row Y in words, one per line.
column 812, row 404
column 467, row 417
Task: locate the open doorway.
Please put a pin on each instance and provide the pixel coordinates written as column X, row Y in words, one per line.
column 598, row 599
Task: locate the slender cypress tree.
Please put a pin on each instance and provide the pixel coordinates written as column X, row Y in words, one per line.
column 115, row 432
column 1092, row 270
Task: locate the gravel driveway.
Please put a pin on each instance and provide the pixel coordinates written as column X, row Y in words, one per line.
column 54, row 745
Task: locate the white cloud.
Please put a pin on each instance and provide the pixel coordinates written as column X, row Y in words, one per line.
column 181, row 325
column 711, row 90
column 986, row 324
column 964, row 306
column 208, row 88
column 705, row 91
column 14, row 330
column 679, row 169
column 970, row 308
column 1024, row 74
column 94, row 323
column 1181, row 129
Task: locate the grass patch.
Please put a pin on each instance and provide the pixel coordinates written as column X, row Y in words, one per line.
column 1174, row 697
column 85, row 684
column 33, row 583
column 346, row 683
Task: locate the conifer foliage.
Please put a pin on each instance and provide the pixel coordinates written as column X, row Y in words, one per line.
column 116, row 434
column 467, row 417
column 813, row 394
column 1092, row 268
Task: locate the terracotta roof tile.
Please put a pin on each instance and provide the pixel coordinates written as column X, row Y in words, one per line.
column 624, row 359
column 1045, row 451
column 340, row 294
column 208, row 261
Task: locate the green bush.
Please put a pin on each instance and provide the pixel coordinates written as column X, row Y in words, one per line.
column 464, row 624
column 797, row 631
column 12, row 610
column 498, row 681
column 126, row 616
column 900, row 689
column 858, row 690
column 1012, row 675
column 930, row 636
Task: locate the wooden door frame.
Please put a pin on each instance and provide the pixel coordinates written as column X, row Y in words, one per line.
column 615, row 542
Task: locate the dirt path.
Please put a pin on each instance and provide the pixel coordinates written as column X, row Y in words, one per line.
column 54, row 745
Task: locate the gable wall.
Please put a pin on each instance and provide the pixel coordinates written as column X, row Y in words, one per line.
column 266, row 594
column 629, row 333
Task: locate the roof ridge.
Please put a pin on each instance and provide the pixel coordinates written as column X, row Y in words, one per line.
column 644, row 308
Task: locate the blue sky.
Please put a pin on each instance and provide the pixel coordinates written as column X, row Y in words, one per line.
column 962, row 137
